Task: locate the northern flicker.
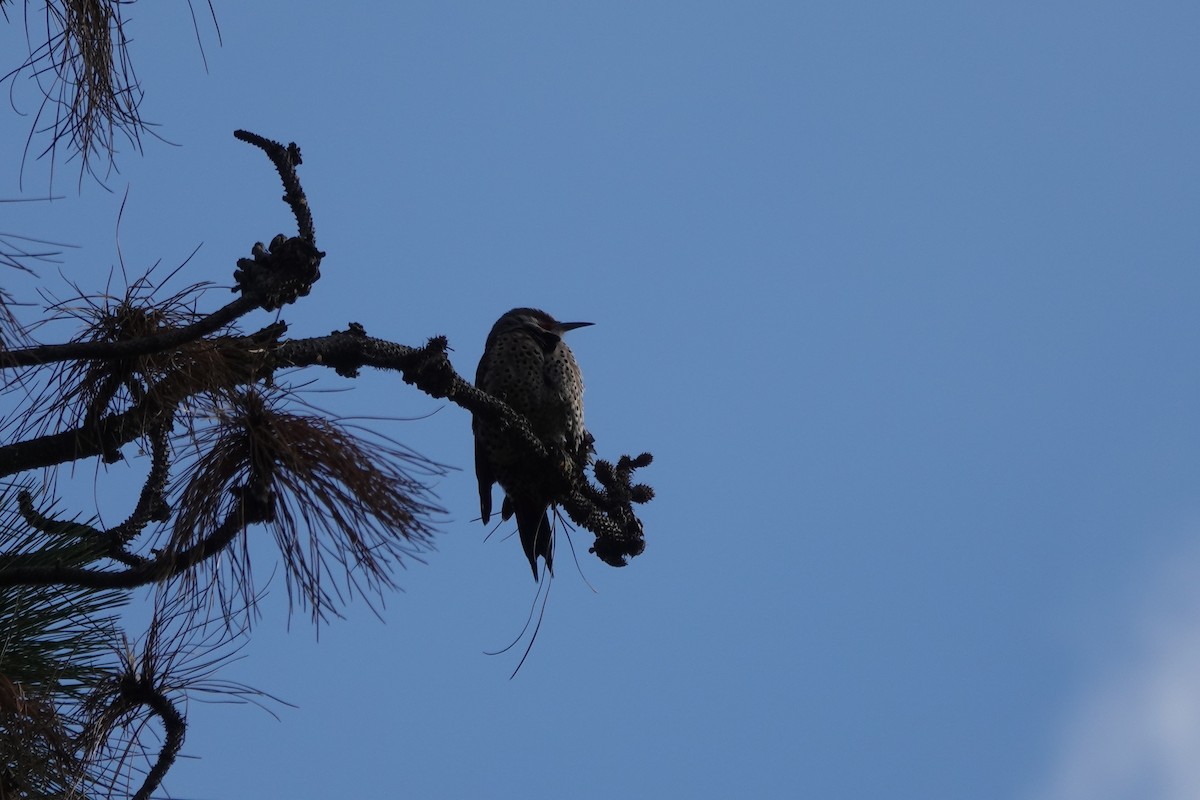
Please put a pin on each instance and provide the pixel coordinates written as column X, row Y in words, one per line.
column 526, row 364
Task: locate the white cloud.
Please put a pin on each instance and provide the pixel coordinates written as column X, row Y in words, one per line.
column 1135, row 731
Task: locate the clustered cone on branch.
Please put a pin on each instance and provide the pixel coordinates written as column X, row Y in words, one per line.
column 618, row 543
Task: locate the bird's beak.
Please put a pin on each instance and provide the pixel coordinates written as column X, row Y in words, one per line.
column 570, row 326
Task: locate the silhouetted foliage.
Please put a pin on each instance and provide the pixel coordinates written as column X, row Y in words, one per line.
column 231, row 444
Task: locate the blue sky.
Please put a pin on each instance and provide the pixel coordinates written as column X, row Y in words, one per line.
column 901, row 297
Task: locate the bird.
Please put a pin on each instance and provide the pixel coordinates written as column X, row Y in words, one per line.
column 527, row 365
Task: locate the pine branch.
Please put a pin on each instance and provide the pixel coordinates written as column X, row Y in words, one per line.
column 247, row 510
column 82, row 351
column 605, row 510
column 233, row 361
column 286, row 159
column 274, row 276
column 142, row 691
column 111, row 543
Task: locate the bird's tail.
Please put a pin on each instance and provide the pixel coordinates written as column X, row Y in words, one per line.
column 537, row 537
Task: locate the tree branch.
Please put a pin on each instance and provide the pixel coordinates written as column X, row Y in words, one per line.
column 237, row 361
column 246, row 511
column 151, row 507
column 274, row 276
column 428, row 368
column 82, row 351
column 286, row 159
column 606, row 511
column 143, row 692
column 59, row 448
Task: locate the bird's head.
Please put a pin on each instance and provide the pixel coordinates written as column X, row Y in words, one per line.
column 537, row 320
